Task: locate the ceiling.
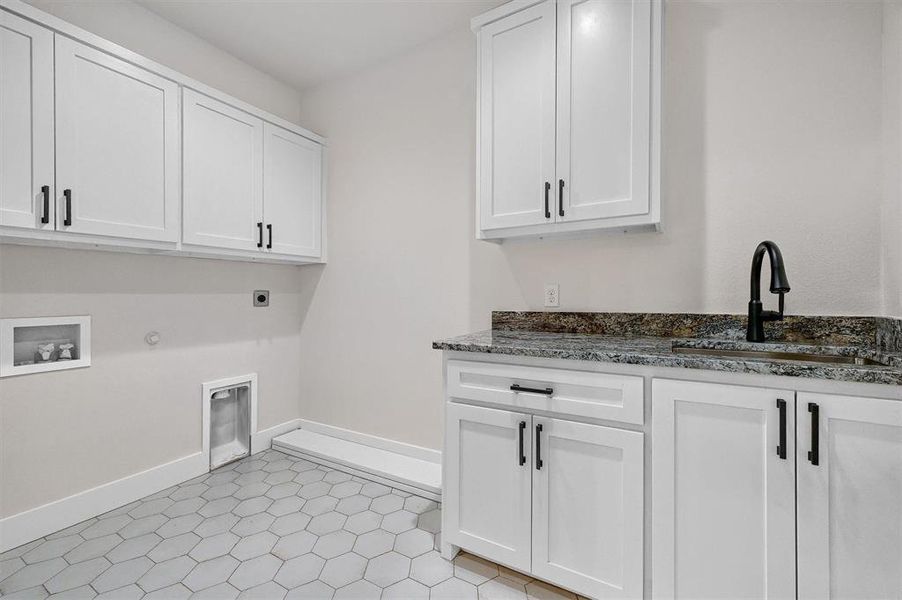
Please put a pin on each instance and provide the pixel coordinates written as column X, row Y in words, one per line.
column 307, row 42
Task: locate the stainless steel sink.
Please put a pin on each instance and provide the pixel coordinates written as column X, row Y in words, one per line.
column 771, row 354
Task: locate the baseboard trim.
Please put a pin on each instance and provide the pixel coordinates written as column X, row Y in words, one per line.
column 262, row 440
column 37, row 522
column 365, row 474
column 419, row 452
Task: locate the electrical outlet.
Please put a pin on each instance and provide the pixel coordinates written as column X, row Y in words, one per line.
column 261, row 297
column 552, row 295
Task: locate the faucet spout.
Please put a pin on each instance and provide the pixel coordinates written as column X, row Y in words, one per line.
column 779, row 284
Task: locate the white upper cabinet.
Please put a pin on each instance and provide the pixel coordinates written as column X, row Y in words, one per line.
column 516, row 107
column 568, row 116
column 604, row 60
column 117, row 146
column 103, row 148
column 723, row 505
column 849, row 497
column 292, row 192
column 223, row 164
column 26, row 123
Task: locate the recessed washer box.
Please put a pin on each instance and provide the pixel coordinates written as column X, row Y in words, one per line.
column 42, row 344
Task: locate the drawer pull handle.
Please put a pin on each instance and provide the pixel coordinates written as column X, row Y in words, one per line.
column 519, row 388
column 781, row 447
column 522, row 454
column 539, row 462
column 547, row 210
column 45, row 192
column 814, row 453
column 67, row 221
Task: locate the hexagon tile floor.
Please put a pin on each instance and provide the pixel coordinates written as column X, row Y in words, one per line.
column 268, row 526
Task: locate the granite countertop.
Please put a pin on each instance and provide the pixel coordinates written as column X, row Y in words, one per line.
column 554, row 335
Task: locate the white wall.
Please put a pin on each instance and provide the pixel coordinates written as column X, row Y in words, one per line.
column 138, row 407
column 772, row 129
column 892, row 158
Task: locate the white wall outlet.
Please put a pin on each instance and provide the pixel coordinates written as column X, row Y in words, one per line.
column 552, row 295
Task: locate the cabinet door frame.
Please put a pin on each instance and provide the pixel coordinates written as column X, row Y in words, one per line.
column 639, row 201
column 632, row 445
column 813, row 483
column 279, row 246
column 197, row 197
column 485, row 135
column 66, row 51
column 780, row 477
column 519, row 555
column 41, row 126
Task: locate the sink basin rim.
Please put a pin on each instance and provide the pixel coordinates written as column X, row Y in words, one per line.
column 780, row 355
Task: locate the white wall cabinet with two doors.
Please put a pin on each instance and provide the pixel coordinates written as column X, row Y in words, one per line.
column 92, row 154
column 528, row 485
column 772, row 493
column 568, row 116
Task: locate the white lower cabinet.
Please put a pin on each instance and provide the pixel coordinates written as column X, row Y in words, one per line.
column 723, row 492
column 849, row 497
column 587, row 508
column 558, row 499
column 491, row 481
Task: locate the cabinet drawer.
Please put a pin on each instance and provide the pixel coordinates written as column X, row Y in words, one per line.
column 577, row 393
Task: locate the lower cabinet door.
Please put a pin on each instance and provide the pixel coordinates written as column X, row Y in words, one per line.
column 849, row 497
column 487, row 483
column 588, row 508
column 723, row 491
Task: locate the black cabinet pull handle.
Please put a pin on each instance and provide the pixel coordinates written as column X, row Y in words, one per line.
column 522, row 454
column 45, row 191
column 539, row 462
column 260, row 233
column 560, row 197
column 547, row 208
column 519, row 388
column 269, row 229
column 68, row 195
column 814, row 453
column 781, row 449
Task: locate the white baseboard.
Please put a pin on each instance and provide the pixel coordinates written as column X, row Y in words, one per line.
column 262, row 440
column 419, row 452
column 37, row 522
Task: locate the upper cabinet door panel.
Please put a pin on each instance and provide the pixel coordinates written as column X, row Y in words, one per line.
column 604, row 61
column 26, row 123
column 223, row 187
column 516, row 118
column 850, row 502
column 292, row 192
column 117, row 146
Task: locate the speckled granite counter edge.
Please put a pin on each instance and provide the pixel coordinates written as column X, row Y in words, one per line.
column 882, row 333
column 611, row 353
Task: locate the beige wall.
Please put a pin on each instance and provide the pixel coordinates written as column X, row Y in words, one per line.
column 892, row 158
column 772, row 129
column 137, row 406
